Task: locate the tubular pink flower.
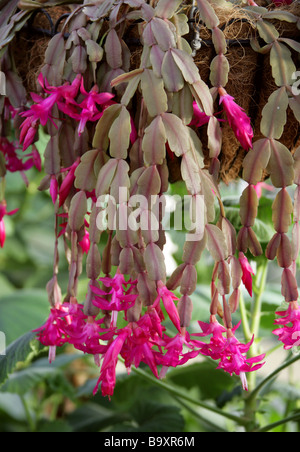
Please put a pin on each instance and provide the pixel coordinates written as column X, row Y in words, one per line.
column 200, row 118
column 68, row 182
column 234, row 361
column 68, row 91
column 168, row 298
column 108, row 369
column 247, row 272
column 14, row 162
column 2, row 233
column 52, row 334
column 262, row 185
column 40, row 112
column 53, row 189
column 175, row 355
column 237, row 119
column 28, row 131
column 89, row 108
column 139, row 345
column 228, row 350
column 87, row 338
column 289, row 333
column 121, row 299
column 3, row 213
column 85, row 242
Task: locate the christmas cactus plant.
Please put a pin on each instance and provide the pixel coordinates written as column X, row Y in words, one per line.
column 129, row 111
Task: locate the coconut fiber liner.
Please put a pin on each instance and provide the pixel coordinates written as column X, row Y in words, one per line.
column 250, row 78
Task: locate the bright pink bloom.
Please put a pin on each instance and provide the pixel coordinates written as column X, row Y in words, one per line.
column 108, row 369
column 15, row 162
column 89, row 108
column 53, row 189
column 68, row 182
column 289, row 333
column 2, row 233
column 52, row 333
column 29, row 130
column 200, row 118
column 234, row 361
column 168, row 298
column 247, row 272
column 121, row 299
column 87, row 338
column 175, row 355
column 3, row 213
column 41, row 111
column 237, row 119
column 65, row 321
column 227, row 349
column 217, row 341
column 85, row 242
column 139, row 345
column 68, row 92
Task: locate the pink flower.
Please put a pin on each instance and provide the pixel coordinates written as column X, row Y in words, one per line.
column 175, row 355
column 89, row 108
column 108, row 369
column 68, row 182
column 139, row 345
column 227, row 349
column 168, row 298
column 87, row 338
column 3, row 213
column 66, row 324
column 68, row 92
column 262, row 185
column 217, row 341
column 121, row 299
column 85, row 242
column 200, row 118
column 52, row 333
column 237, row 119
column 41, row 111
column 289, row 333
column 233, row 359
column 2, row 233
column 247, row 272
column 29, row 130
column 14, row 162
column 53, row 189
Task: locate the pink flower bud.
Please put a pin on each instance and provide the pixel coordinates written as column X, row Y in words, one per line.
column 237, row 119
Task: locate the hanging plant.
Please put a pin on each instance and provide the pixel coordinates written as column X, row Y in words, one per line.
column 136, row 95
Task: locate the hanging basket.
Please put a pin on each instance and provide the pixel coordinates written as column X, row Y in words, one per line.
column 250, row 79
